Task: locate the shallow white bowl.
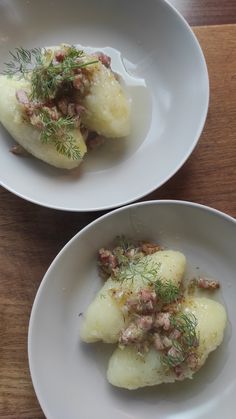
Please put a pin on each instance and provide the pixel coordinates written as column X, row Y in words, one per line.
column 70, row 377
column 157, row 45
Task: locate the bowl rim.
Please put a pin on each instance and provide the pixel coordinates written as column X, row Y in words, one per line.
column 205, row 208
column 185, row 157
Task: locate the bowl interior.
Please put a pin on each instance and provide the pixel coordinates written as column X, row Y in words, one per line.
column 70, row 377
column 167, row 116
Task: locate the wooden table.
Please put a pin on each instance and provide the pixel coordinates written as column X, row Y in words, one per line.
column 30, row 237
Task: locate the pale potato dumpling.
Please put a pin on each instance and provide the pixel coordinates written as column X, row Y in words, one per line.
column 172, row 265
column 104, row 318
column 107, row 107
column 128, row 370
column 27, row 135
column 211, row 317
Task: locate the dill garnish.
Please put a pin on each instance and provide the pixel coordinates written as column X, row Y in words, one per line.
column 186, row 324
column 171, row 361
column 48, row 78
column 166, row 291
column 58, row 132
column 123, row 242
column 46, row 75
column 23, row 61
column 142, row 268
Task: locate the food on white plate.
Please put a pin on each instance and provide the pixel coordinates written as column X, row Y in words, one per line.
column 163, row 331
column 130, row 371
column 107, row 314
column 58, row 102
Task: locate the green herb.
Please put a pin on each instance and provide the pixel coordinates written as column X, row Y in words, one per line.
column 166, row 291
column 125, row 243
column 171, row 361
column 58, row 132
column 46, row 74
column 23, row 61
column 186, row 324
column 142, row 269
column 48, row 78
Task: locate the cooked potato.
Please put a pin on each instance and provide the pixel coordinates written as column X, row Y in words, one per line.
column 27, row 135
column 104, row 318
column 107, row 107
column 211, row 317
column 128, row 370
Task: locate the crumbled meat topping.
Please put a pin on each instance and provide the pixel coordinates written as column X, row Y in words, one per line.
column 208, row 284
column 19, row 150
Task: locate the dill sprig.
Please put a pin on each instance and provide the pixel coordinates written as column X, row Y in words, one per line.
column 23, row 61
column 125, row 243
column 48, row 78
column 58, row 132
column 171, row 361
column 142, row 268
column 186, row 324
column 166, row 291
column 46, row 75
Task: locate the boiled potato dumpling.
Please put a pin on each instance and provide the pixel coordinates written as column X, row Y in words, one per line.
column 67, row 97
column 104, row 318
column 107, row 107
column 129, row 370
column 27, row 135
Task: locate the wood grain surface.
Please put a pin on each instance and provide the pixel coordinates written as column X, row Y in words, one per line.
column 207, row 12
column 31, row 236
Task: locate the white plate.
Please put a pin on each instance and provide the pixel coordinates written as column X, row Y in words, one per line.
column 70, row 377
column 158, row 46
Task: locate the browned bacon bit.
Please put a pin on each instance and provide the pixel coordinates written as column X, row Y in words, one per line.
column 79, row 109
column 158, row 343
column 77, row 82
column 95, row 142
column 192, row 361
column 141, row 305
column 145, row 323
column 162, row 320
column 146, row 294
column 149, row 248
column 132, row 334
column 71, row 111
column 179, row 372
column 133, row 304
column 107, row 258
column 22, row 97
column 208, row 284
column 175, row 353
column 146, row 301
column 36, row 121
column 105, row 59
column 175, row 334
column 62, row 105
column 60, row 56
column 52, row 112
column 18, row 150
column 167, row 342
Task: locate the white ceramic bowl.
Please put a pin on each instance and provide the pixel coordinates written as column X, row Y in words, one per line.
column 70, row 377
column 168, row 116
